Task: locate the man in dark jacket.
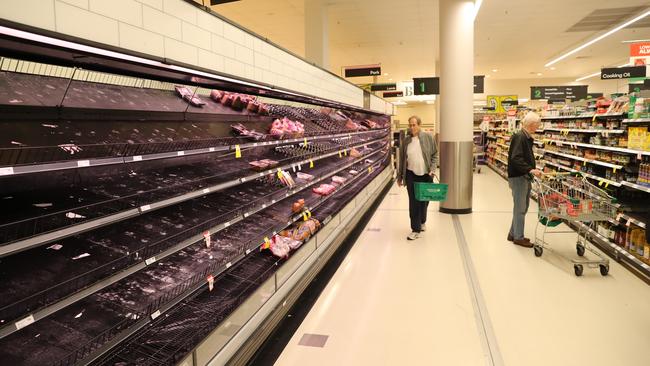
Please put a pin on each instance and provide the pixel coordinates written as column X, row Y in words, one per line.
column 521, row 168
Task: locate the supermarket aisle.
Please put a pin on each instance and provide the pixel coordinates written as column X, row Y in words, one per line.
column 394, row 302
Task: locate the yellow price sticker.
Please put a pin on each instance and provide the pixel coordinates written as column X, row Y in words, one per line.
column 593, row 119
column 305, row 141
column 615, row 169
column 345, row 152
column 584, row 163
column 600, row 183
column 340, row 154
column 267, row 240
column 237, row 152
column 309, row 213
column 606, row 184
column 311, row 163
column 279, row 173
column 304, row 216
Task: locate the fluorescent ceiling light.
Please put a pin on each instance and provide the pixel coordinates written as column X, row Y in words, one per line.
column 539, row 74
column 598, row 73
column 477, row 7
column 588, row 76
column 636, row 40
column 606, row 34
column 552, row 67
column 523, row 100
column 495, row 70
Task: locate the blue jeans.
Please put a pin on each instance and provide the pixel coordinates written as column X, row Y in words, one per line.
column 520, row 187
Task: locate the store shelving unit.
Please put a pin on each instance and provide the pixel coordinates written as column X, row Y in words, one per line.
column 124, row 213
column 572, row 139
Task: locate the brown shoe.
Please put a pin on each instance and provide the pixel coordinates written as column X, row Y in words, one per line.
column 523, row 243
column 510, row 238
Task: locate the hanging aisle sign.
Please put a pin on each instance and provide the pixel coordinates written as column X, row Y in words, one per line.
column 363, row 70
column 623, row 72
column 382, row 87
column 640, row 53
column 575, row 92
column 393, row 94
column 431, row 85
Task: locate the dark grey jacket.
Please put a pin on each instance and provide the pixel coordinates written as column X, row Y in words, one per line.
column 521, row 159
column 429, row 153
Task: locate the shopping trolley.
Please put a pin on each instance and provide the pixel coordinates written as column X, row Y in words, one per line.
column 570, row 197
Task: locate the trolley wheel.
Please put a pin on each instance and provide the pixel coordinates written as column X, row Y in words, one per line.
column 578, row 269
column 479, row 170
column 580, row 249
column 538, row 250
column 604, row 269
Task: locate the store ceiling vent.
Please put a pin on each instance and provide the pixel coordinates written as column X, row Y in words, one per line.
column 602, row 19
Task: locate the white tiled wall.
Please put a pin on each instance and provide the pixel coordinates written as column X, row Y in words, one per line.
column 179, row 31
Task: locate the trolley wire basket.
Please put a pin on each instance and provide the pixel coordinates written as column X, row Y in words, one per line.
column 571, row 198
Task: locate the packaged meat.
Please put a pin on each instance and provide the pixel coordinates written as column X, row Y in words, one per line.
column 237, row 103
column 353, row 172
column 253, row 106
column 270, row 163
column 226, row 100
column 350, row 125
column 298, row 206
column 338, row 180
column 188, row 96
column 305, row 176
column 324, row 189
column 263, row 110
column 241, row 130
column 258, row 165
column 216, row 95
column 279, row 248
column 355, row 153
column 370, row 124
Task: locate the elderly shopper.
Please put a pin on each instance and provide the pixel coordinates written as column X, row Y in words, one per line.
column 417, row 163
column 521, row 168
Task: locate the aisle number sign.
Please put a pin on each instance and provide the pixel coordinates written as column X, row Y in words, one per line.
column 500, row 103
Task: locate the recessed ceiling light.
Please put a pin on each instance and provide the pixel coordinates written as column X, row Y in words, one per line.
column 606, row 34
column 539, row 74
column 487, row 76
column 385, row 74
column 391, row 79
column 552, row 67
column 495, row 70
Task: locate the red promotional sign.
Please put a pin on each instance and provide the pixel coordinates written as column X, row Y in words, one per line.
column 640, row 49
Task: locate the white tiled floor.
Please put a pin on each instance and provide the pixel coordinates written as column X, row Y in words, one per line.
column 394, row 302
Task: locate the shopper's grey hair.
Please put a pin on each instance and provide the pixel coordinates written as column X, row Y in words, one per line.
column 530, row 118
column 417, row 119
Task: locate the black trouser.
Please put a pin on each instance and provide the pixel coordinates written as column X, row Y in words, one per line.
column 417, row 209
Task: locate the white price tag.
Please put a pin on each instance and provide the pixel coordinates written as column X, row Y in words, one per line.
column 83, row 163
column 628, row 223
column 248, row 251
column 206, row 190
column 255, row 144
column 145, row 208
column 226, row 224
column 264, row 205
column 228, row 265
column 272, row 201
column 243, row 180
column 180, row 153
column 6, row 171
column 246, row 214
column 155, row 314
column 150, row 260
column 24, row 322
column 137, row 158
column 211, row 149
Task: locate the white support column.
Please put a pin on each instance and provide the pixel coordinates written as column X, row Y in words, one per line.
column 316, row 33
column 456, row 98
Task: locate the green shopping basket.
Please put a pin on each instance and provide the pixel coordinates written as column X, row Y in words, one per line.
column 430, row 191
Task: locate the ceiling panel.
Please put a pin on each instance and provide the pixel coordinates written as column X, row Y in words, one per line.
column 515, row 37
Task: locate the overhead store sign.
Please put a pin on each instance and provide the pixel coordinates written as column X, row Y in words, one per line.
column 363, row 70
column 576, row 92
column 382, row 87
column 501, row 103
column 428, row 86
column 640, row 53
column 635, row 88
column 479, row 84
column 623, row 72
column 393, row 94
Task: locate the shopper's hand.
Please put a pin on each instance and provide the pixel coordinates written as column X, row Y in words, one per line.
column 536, row 172
column 400, row 183
column 432, row 174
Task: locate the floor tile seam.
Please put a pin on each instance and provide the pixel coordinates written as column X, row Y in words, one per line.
column 482, row 317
